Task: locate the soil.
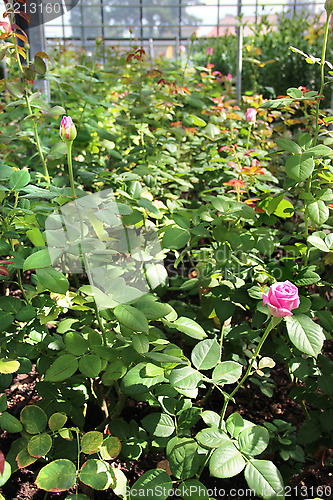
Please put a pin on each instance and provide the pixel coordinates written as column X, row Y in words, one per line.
column 303, row 483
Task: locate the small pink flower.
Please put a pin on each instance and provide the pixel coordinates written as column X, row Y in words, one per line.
column 67, row 129
column 250, row 115
column 282, row 297
column 182, row 49
column 210, row 51
column 229, row 77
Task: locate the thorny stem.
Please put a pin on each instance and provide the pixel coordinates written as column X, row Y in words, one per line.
column 70, row 168
column 274, row 322
column 187, row 61
column 91, row 77
column 314, row 142
column 248, row 137
column 322, row 78
column 26, row 98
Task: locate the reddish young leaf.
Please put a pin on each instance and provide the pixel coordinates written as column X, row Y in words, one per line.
column 2, row 463
column 25, row 16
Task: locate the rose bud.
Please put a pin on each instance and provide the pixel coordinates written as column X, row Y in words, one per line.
column 67, row 129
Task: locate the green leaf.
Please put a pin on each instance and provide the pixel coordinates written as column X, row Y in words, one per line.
column 159, row 424
column 153, row 310
column 140, row 343
column 317, row 242
column 3, row 403
column 110, row 448
column 97, row 474
column 53, row 280
column 299, row 167
column 288, row 145
column 27, row 313
column 9, row 365
column 227, row 372
column 57, row 476
column 120, row 487
column 18, row 179
column 9, row 423
column 253, row 440
column 319, row 151
column 57, row 421
column 197, row 122
column 39, row 445
column 6, row 473
column 132, row 318
column 55, row 112
column 34, row 419
column 206, row 354
column 184, row 378
column 115, row 371
column 154, row 484
column 274, row 203
column 318, row 212
column 189, row 327
column 24, row 458
column 264, row 478
column 10, row 304
column 295, row 93
column 306, row 335
column 234, row 424
column 183, row 457
column 193, row 490
column 226, row 461
column 284, row 209
column 63, row 367
column 6, row 319
column 90, row 365
column 37, row 260
column 136, row 382
column 211, row 418
column 212, row 131
column 212, row 437
column 224, row 309
column 75, row 343
column 36, row 237
column 175, row 238
column 91, row 442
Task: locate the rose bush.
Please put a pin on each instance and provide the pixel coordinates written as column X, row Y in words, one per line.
column 235, row 208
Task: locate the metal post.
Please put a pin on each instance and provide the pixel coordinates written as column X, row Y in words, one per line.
column 239, row 32
column 141, row 23
column 83, row 32
column 179, row 22
column 36, row 41
column 218, row 19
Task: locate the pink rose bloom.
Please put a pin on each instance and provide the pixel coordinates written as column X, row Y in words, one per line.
column 229, row 77
column 282, row 297
column 250, row 115
column 210, row 51
column 67, row 129
column 182, row 49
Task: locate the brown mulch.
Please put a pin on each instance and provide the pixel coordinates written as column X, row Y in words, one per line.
column 250, row 403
